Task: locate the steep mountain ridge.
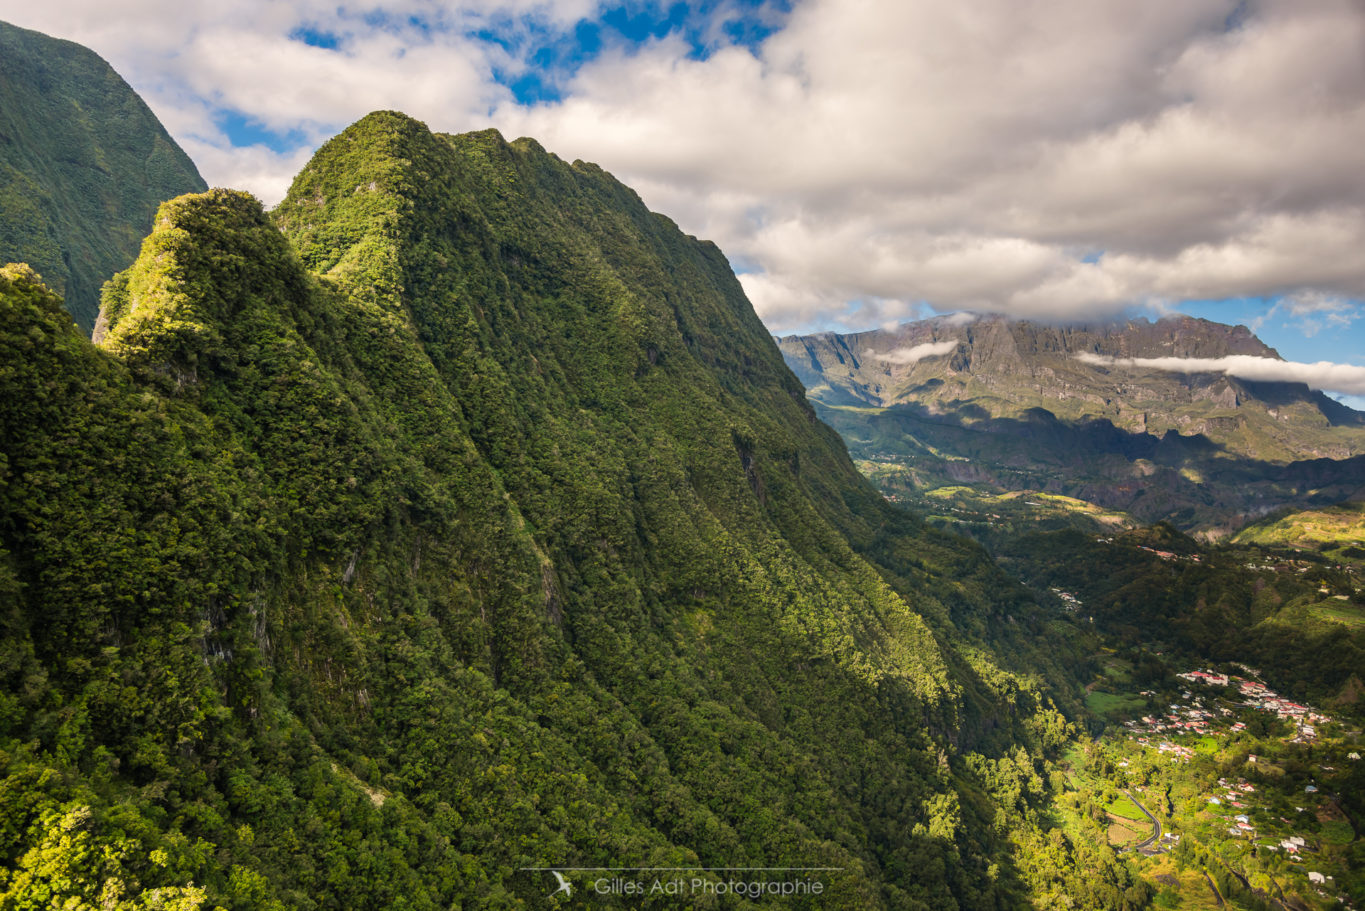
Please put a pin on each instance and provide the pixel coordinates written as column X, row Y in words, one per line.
column 83, row 165
column 473, row 524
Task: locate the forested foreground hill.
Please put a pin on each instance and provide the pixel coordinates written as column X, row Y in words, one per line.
column 459, row 518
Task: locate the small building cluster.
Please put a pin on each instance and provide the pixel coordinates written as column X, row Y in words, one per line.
column 1207, row 677
column 1259, row 696
column 1069, row 601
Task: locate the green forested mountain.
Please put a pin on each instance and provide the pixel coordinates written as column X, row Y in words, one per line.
column 83, row 165
column 460, row 517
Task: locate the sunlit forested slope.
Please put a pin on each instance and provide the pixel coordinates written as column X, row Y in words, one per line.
column 460, row 517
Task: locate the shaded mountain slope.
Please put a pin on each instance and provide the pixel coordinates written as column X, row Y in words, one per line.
column 1186, row 480
column 470, row 524
column 83, row 165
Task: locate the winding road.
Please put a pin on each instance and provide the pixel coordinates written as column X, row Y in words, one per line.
column 1156, row 836
column 1156, row 826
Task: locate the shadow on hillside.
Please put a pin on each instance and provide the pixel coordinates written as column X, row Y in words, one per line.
column 1285, row 394
column 1186, row 479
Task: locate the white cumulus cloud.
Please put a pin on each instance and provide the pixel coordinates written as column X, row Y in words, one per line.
column 1347, row 379
column 1057, row 159
column 916, row 353
column 1044, row 158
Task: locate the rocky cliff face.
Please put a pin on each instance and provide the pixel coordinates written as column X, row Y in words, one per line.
column 1001, row 368
column 1015, row 406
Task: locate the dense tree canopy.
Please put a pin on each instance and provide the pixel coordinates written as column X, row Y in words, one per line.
column 461, row 517
column 83, row 165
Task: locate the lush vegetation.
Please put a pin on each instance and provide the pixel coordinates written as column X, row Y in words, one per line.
column 1232, row 779
column 1338, row 529
column 1056, row 469
column 1294, row 614
column 1249, row 805
column 462, row 518
column 83, row 165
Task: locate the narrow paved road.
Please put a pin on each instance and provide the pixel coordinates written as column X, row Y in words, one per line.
column 1156, row 825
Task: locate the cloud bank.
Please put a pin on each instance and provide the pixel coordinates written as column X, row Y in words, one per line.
column 916, row 353
column 1042, row 158
column 1058, row 159
column 1324, row 375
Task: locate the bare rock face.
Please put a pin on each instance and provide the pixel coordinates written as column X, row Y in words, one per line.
column 999, row 368
column 1017, row 406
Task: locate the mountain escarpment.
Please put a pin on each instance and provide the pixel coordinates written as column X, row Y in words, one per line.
column 459, row 518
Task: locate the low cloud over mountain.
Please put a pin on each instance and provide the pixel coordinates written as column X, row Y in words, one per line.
column 1323, row 375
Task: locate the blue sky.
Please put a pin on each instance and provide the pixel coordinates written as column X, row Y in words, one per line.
column 544, row 55
column 1334, row 335
column 1297, row 337
column 861, row 163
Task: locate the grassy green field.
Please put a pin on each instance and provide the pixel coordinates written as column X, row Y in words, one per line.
column 1344, row 523
column 1116, row 670
column 1125, row 808
column 1110, row 703
column 1339, row 612
column 1122, row 834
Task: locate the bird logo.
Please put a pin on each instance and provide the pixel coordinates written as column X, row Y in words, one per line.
column 563, row 885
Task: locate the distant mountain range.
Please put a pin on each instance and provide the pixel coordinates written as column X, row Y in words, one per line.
column 1015, row 405
column 83, row 165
